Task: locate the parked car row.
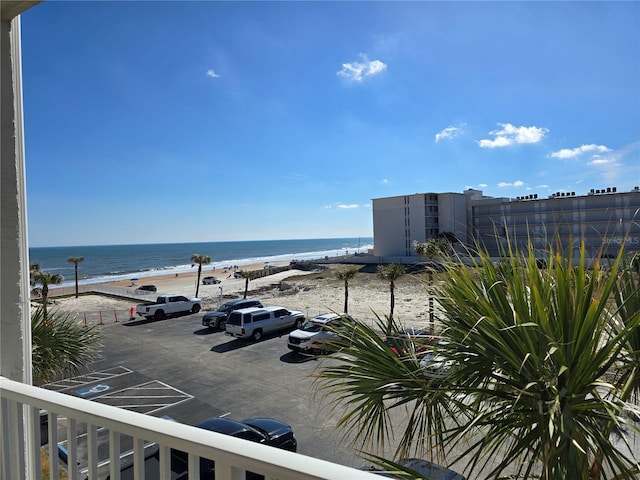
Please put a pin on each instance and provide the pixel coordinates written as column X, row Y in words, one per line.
column 250, row 319
column 266, row 431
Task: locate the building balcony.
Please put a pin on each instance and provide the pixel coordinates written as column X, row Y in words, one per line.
column 21, row 405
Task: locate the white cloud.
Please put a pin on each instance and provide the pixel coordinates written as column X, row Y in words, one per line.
column 212, row 74
column 385, row 181
column 358, row 71
column 600, row 161
column 351, row 205
column 510, row 135
column 569, row 153
column 517, row 183
column 449, row 133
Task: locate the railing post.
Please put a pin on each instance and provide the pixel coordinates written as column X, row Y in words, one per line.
column 138, row 459
column 92, row 451
column 72, row 448
column 34, row 414
column 52, row 425
column 224, row 471
column 114, row 455
column 165, row 462
column 13, row 446
column 194, row 465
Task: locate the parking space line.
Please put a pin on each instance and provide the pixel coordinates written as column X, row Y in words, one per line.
column 88, row 378
column 167, row 406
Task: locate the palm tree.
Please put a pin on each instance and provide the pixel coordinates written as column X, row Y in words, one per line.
column 34, row 267
column 433, row 247
column 391, row 273
column 44, row 279
column 537, row 370
column 247, row 275
column 345, row 275
column 200, row 260
column 60, row 345
column 75, row 261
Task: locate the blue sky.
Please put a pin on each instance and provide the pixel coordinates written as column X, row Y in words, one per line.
column 208, row 121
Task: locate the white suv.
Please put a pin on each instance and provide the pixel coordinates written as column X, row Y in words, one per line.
column 308, row 339
column 256, row 322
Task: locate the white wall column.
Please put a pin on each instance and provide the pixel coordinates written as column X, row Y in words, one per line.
column 15, row 323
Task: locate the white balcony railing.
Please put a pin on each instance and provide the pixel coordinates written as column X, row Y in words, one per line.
column 232, row 456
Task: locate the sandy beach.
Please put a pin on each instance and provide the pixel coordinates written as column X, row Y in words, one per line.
column 313, row 292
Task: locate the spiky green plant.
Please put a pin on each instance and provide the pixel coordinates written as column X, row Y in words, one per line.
column 540, row 372
column 60, row 345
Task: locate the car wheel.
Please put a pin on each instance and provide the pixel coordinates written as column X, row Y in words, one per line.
column 298, row 324
column 159, row 315
column 222, row 324
column 257, row 335
column 195, row 308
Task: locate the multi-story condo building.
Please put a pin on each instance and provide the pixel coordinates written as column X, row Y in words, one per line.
column 603, row 219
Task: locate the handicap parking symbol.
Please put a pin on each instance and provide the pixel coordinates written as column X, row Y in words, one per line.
column 95, row 389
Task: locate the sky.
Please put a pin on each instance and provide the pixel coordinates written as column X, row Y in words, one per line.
column 159, row 122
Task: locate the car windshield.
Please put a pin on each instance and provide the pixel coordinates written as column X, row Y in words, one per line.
column 310, row 326
column 226, row 308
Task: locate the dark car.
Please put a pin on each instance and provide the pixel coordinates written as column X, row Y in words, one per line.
column 260, row 430
column 147, row 288
column 218, row 318
column 211, row 281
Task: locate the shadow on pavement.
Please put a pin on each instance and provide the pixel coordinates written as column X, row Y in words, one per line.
column 231, row 346
column 237, row 343
column 207, row 331
column 293, row 357
column 144, row 321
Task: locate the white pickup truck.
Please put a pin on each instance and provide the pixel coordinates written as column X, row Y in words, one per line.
column 168, row 305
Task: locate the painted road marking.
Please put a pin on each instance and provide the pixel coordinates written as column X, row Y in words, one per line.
column 87, row 391
column 87, row 378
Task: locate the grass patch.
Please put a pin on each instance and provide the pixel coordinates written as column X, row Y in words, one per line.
column 44, row 461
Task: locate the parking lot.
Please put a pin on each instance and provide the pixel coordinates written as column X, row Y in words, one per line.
column 177, row 368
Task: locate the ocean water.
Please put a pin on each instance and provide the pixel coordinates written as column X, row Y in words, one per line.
column 119, row 262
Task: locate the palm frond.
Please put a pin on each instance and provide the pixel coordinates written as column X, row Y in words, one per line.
column 60, row 345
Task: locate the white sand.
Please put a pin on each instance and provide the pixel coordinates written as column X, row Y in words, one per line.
column 311, row 292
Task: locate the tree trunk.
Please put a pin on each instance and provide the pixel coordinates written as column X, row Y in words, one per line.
column 346, row 296
column 198, row 280
column 76, row 269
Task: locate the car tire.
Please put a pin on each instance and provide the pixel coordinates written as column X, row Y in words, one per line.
column 222, row 325
column 159, row 315
column 298, row 324
column 195, row 308
column 257, row 335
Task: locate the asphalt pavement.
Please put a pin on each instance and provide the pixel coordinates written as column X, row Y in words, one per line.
column 178, row 369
